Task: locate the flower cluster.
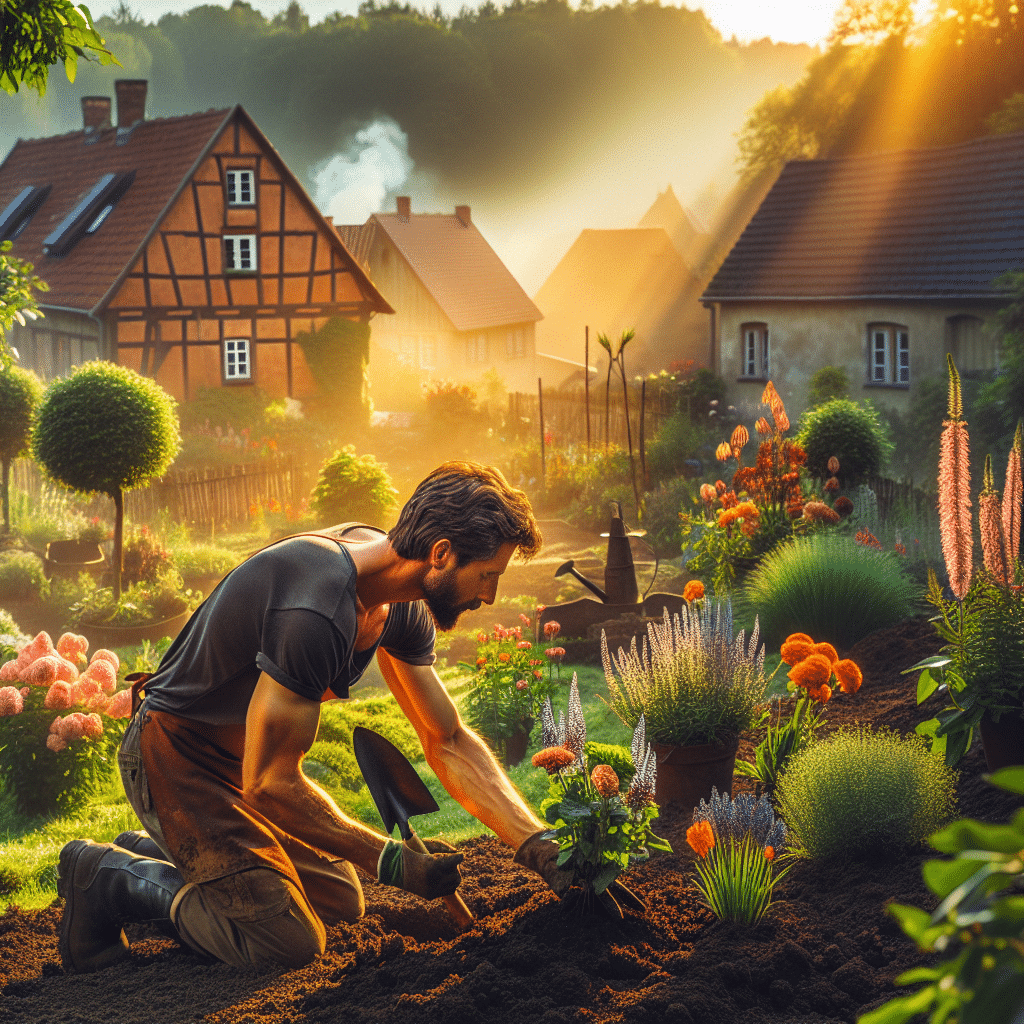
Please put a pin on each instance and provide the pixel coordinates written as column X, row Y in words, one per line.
column 600, row 830
column 693, row 591
column 814, row 667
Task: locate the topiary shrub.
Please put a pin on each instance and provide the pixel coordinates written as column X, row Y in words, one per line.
column 852, row 433
column 827, row 383
column 107, row 429
column 830, row 587
column 20, row 391
column 864, row 792
column 353, row 488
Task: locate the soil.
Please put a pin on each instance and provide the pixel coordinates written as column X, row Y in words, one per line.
column 827, row 953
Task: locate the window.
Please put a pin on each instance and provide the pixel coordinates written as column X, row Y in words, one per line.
column 515, row 344
column 237, row 365
column 889, row 354
column 19, row 211
column 241, row 191
column 88, row 215
column 240, row 253
column 754, row 357
column 476, row 349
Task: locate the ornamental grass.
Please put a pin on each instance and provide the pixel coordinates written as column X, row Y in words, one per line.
column 864, row 792
column 830, row 587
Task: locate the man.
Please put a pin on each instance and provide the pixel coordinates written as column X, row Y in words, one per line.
column 245, row 858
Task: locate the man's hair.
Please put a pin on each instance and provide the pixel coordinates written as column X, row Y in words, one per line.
column 472, row 506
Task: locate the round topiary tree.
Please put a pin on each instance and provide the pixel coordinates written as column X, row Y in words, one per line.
column 105, row 428
column 20, row 391
column 853, row 433
column 353, row 488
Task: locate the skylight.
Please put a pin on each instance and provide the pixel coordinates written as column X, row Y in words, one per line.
column 88, row 215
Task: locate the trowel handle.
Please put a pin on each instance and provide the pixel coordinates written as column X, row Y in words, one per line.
column 461, row 914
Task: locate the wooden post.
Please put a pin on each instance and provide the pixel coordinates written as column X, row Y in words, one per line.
column 643, row 452
column 540, row 416
column 586, row 378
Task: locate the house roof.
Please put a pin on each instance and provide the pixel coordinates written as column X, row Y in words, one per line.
column 463, row 274
column 917, row 224
column 163, row 153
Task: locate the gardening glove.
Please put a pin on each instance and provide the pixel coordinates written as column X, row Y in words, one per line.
column 428, row 875
column 541, row 856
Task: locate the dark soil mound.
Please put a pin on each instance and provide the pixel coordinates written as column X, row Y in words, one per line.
column 827, row 953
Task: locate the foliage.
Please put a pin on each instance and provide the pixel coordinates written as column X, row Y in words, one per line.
column 827, row 383
column 852, row 433
column 977, row 925
column 337, row 355
column 451, row 417
column 661, row 515
column 352, row 488
column 678, row 441
column 1000, row 404
column 20, row 391
column 698, row 392
column 17, row 283
column 692, row 681
column 723, row 546
column 42, row 33
column 145, row 558
column 21, row 576
column 737, row 842
column 139, row 604
column 863, row 792
column 198, row 560
column 829, row 586
column 600, row 831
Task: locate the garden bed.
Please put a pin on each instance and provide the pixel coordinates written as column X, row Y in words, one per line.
column 828, row 952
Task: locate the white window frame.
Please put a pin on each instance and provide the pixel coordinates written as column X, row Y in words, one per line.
column 237, row 181
column 888, row 354
column 235, row 260
column 755, row 352
column 236, row 368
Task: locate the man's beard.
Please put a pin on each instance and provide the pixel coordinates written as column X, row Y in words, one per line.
column 440, row 596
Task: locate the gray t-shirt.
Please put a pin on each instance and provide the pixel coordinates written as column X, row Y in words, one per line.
column 289, row 611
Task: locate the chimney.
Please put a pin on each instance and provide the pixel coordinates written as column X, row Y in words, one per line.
column 95, row 112
column 404, row 204
column 462, row 212
column 131, row 101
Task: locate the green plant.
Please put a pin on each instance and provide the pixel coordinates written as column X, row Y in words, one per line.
column 337, row 355
column 600, row 831
column 829, row 586
column 141, row 603
column 198, row 560
column 21, row 576
column 661, row 515
column 17, row 282
column 106, row 428
column 145, row 558
column 852, row 433
column 616, row 756
column 693, row 682
column 696, row 394
column 859, row 791
column 20, row 391
column 827, row 383
column 10, row 632
column 352, row 488
column 678, row 441
column 737, row 842
column 978, row 925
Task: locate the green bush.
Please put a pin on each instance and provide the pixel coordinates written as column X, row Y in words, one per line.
column 353, row 488
column 827, row 383
column 697, row 394
column 661, row 515
column 10, row 631
column 20, row 391
column 197, row 560
column 829, row 586
column 860, row 792
column 618, row 757
column 21, row 576
column 678, row 439
column 853, row 433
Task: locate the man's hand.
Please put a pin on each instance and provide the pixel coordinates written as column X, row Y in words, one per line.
column 429, row 876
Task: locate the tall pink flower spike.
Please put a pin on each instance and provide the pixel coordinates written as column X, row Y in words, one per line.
column 955, row 490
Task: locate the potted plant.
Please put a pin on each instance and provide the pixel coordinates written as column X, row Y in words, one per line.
column 698, row 687
column 981, row 665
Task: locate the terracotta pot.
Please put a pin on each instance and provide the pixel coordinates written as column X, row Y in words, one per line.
column 515, row 746
column 105, row 635
column 1003, row 741
column 687, row 774
column 67, row 558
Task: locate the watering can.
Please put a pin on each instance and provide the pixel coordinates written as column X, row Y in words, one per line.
column 619, row 573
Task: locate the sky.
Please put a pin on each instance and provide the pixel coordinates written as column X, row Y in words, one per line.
column 790, row 21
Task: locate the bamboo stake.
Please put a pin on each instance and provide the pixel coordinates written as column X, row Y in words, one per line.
column 586, row 379
column 643, row 453
column 540, row 407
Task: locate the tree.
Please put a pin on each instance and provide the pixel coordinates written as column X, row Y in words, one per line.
column 106, row 429
column 827, row 383
column 17, row 283
column 20, row 391
column 34, row 35
column 353, row 488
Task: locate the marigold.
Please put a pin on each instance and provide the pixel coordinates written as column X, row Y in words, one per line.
column 812, row 671
column 504, row 657
column 796, row 648
column 555, row 652
column 480, row 662
column 824, row 693
column 553, row 759
column 848, row 674
column 819, row 512
column 605, row 781
column 701, row 837
column 537, row 674
column 521, row 684
column 828, row 651
column 693, row 591
column 523, row 645
column 769, row 853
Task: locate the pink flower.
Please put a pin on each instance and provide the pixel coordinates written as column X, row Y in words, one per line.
column 66, row 670
column 525, row 619
column 1012, row 490
column 103, row 673
column 106, row 655
column 541, row 609
column 92, row 727
column 55, row 743
column 42, row 671
column 99, row 703
column 551, row 629
column 9, row 672
column 120, row 705
column 73, row 647
column 11, row 701
column 87, row 687
column 40, row 647
column 24, row 691
column 59, row 697
column 523, row 645
column 555, row 652
column 955, row 491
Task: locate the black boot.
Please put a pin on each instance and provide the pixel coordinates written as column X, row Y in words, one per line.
column 139, row 842
column 104, row 888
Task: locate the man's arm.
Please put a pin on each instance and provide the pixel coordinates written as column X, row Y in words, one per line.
column 460, row 759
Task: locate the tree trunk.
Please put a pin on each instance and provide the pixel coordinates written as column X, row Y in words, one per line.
column 7, row 495
column 117, row 560
column 629, row 433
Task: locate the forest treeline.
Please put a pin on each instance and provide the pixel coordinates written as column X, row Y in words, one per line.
column 524, row 90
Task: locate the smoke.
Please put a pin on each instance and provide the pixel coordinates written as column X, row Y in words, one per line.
column 373, row 165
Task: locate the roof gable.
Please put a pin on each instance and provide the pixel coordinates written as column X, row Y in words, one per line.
column 917, row 224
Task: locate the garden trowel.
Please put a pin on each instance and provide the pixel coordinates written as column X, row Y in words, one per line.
column 399, row 793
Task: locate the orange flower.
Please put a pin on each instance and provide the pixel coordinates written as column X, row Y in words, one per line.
column 824, row 694
column 819, row 512
column 832, row 483
column 769, row 853
column 763, row 427
column 843, row 505
column 701, row 837
column 796, row 648
column 833, row 465
column 605, row 781
column 720, row 487
column 723, row 452
column 504, row 656
column 812, row 672
column 848, row 674
column 693, row 591
column 828, row 651
column 480, row 662
column 708, row 493
column 740, row 436
column 553, row 759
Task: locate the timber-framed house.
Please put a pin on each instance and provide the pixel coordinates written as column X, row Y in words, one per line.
column 181, row 247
